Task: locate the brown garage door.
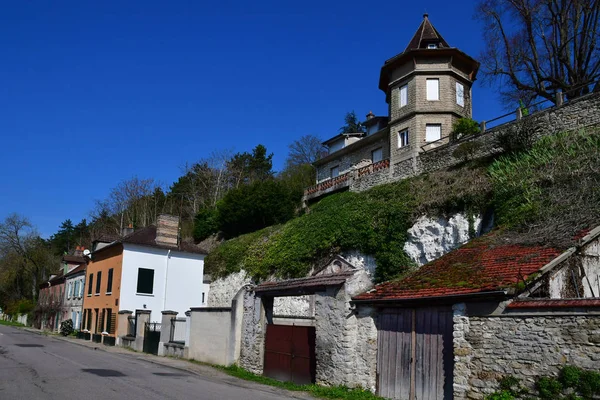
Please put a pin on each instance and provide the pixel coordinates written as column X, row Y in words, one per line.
column 415, row 354
column 290, row 353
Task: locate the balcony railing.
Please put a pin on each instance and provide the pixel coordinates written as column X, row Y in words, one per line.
column 338, row 181
column 346, row 179
column 371, row 168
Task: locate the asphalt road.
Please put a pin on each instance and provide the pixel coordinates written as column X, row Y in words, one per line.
column 40, row 367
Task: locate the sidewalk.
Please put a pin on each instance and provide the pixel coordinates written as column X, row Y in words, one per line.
column 204, row 371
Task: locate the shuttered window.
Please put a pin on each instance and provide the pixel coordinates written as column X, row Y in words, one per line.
column 377, row 155
column 460, row 94
column 145, row 282
column 403, row 95
column 98, row 281
column 433, row 89
column 90, row 284
column 403, row 138
column 110, row 280
column 433, row 132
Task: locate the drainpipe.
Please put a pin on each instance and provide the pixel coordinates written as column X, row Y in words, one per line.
column 166, row 278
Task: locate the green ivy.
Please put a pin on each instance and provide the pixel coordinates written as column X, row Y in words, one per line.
column 572, row 383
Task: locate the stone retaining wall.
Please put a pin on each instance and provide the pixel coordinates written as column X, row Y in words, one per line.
column 489, row 348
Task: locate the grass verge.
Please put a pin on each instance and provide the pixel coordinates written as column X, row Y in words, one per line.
column 336, row 392
column 10, row 323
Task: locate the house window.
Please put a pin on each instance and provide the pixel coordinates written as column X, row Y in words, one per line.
column 433, row 132
column 81, row 288
column 432, row 46
column 109, row 283
column 98, row 282
column 334, row 172
column 90, row 284
column 403, row 95
column 460, row 94
column 433, row 89
column 403, row 138
column 145, row 281
column 377, row 155
column 69, row 290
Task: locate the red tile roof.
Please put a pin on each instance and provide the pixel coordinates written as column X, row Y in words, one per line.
column 554, row 303
column 479, row 266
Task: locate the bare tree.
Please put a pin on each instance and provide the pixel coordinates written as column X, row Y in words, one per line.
column 534, row 48
column 305, row 150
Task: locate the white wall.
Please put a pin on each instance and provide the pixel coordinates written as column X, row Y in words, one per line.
column 183, row 283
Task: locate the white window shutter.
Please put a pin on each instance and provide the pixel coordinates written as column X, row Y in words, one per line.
column 403, row 95
column 433, row 132
column 433, row 89
column 460, row 94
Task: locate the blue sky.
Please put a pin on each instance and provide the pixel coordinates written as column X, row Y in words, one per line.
column 93, row 93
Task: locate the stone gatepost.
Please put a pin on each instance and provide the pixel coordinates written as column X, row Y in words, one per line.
column 165, row 330
column 122, row 325
column 143, row 317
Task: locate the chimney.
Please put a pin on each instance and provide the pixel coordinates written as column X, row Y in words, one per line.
column 127, row 231
column 370, row 115
column 167, row 230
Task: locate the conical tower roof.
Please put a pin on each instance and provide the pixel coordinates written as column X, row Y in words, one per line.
column 425, row 35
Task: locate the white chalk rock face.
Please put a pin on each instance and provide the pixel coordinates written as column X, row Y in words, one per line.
column 431, row 238
column 223, row 290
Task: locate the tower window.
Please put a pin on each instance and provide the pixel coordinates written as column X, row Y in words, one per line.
column 403, row 138
column 460, row 94
column 433, row 132
column 403, row 95
column 432, row 46
column 433, row 89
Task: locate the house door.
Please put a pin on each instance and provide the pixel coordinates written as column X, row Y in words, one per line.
column 290, row 353
column 415, row 354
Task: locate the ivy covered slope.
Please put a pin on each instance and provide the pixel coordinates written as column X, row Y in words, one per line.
column 544, row 194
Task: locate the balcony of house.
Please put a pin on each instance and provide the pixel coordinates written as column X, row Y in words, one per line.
column 335, row 184
column 360, row 177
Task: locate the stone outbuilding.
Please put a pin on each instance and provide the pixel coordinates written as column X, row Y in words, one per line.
column 490, row 309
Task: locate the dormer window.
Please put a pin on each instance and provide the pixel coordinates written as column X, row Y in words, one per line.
column 432, row 46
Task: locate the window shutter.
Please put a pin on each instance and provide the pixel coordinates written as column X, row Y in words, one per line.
column 433, row 89
column 460, row 94
column 433, row 132
column 113, row 323
column 403, row 95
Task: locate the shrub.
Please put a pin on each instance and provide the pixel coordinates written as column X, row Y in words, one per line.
column 465, row 126
column 572, row 383
column 256, row 206
column 66, row 327
column 205, row 224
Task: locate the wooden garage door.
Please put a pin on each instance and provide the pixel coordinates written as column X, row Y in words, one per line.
column 415, row 357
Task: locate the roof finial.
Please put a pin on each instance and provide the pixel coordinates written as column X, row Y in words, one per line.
column 425, row 16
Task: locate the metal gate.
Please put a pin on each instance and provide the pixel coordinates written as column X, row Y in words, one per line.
column 151, row 337
column 415, row 354
column 290, row 353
